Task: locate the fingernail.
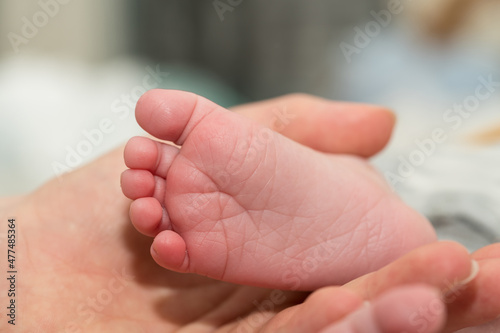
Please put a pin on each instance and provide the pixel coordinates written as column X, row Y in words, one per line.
column 473, row 274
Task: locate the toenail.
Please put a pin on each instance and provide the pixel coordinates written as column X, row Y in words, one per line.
column 153, row 251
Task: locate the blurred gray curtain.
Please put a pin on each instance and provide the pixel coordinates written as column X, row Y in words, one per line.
column 263, row 48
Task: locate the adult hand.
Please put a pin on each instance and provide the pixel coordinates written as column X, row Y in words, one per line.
column 83, row 268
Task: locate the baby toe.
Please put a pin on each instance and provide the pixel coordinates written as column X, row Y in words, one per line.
column 169, row 251
column 141, row 153
column 137, row 184
column 148, row 216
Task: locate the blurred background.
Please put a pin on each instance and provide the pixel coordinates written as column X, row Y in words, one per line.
column 72, row 70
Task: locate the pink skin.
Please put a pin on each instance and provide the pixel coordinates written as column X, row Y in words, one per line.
column 243, row 204
column 64, row 219
column 435, row 288
column 391, row 313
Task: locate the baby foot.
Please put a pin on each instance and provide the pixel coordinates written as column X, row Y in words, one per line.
column 238, row 202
